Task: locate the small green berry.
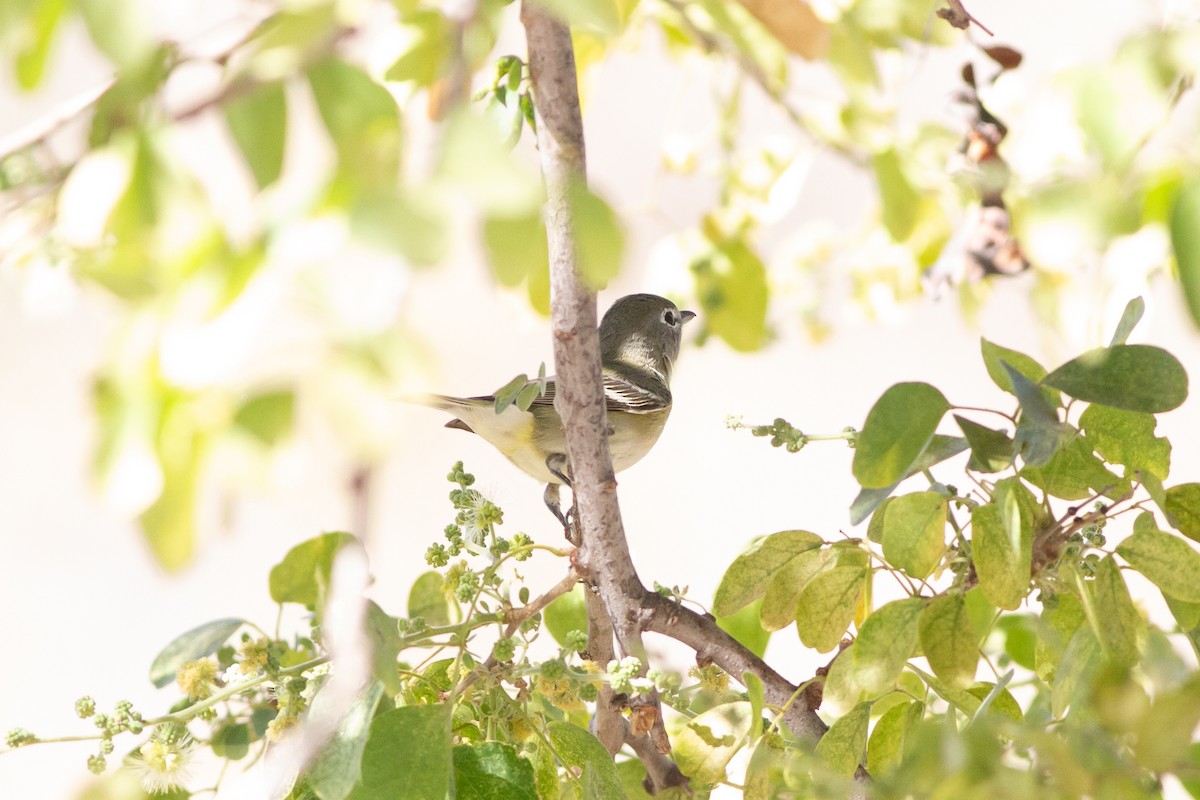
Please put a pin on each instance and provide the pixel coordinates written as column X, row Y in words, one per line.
column 85, row 707
column 96, row 764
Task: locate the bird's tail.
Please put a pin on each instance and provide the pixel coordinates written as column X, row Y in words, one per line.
column 442, row 402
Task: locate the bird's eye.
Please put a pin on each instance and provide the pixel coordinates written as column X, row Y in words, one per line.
column 669, row 317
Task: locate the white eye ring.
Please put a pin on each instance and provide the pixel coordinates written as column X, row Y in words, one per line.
column 669, row 317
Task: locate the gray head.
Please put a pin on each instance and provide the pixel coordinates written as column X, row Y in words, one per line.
column 643, row 330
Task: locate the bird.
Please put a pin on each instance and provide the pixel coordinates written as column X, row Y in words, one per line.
column 640, row 337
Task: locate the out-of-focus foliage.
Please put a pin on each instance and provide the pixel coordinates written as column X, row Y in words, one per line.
column 206, row 236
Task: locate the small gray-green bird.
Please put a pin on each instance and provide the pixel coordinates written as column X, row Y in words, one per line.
column 639, row 342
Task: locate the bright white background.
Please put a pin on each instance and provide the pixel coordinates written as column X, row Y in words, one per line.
column 84, row 609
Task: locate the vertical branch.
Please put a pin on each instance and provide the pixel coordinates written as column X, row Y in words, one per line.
column 579, row 399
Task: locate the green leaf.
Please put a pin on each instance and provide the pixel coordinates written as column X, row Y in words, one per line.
column 598, row 234
column 1127, row 438
column 43, row 23
column 1002, row 546
column 407, row 755
column 492, row 771
column 748, row 577
column 1165, row 734
column 949, row 641
column 938, row 450
column 885, row 748
column 1166, row 560
column 507, row 394
column 826, row 606
column 778, row 608
column 900, row 200
column 886, row 640
column 576, row 747
column 898, row 428
column 745, row 627
column 515, row 246
column 1060, row 620
column 429, row 50
column 994, row 359
column 1002, row 702
column 475, row 160
column 120, row 29
column 991, row 450
column 914, row 532
column 1072, row 681
column 415, row 226
column 1039, row 432
column 268, row 417
column 1020, row 638
column 1183, row 509
column 565, row 614
column 385, row 647
column 258, row 122
column 1185, row 240
column 203, row 640
column 757, row 697
column 1135, row 377
column 1130, row 317
column 1117, row 623
column 598, row 15
column 303, row 574
column 763, row 771
column 731, row 283
column 427, row 599
column 843, row 746
column 338, row 767
column 231, row 741
column 1074, row 472
column 170, row 523
column 704, row 745
column 363, row 121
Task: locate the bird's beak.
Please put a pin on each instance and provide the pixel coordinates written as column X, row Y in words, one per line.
column 686, row 315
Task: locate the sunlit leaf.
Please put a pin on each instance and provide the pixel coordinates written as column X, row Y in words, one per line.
column 886, row 746
column 427, row 600
column 267, row 417
column 731, row 284
column 567, row 613
column 744, row 626
column 1167, row 560
column 1130, row 317
column 490, row 771
column 258, row 122
column 203, row 640
column 43, row 20
column 1117, row 623
column 826, row 606
column 335, row 771
column 845, row 743
column 1135, row 377
column 407, row 754
column 363, row 121
column 885, row 642
column 779, row 604
column 914, row 532
column 1185, row 240
column 897, row 430
column 1183, row 509
column 303, row 574
column 748, row 577
column 1001, row 543
column 949, row 641
column 575, row 747
column 1127, row 437
column 991, row 450
column 516, row 247
column 900, row 200
column 938, row 450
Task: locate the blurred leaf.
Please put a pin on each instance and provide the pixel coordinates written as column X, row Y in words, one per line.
column 429, row 51
column 826, row 606
column 1002, row 701
column 231, row 741
column 898, row 428
column 938, row 450
column 201, row 641
column 598, row 235
column 386, row 643
column 845, row 743
column 748, row 577
column 565, row 614
column 303, row 574
column 745, row 627
column 778, row 608
column 1117, row 623
column 704, row 745
column 914, row 533
column 407, row 754
column 43, row 22
column 900, row 200
column 731, row 284
column 886, row 746
column 1060, row 619
column 948, row 640
column 417, row 228
column 1001, row 543
column 851, row 56
column 426, row 599
column 258, row 122
column 362, row 119
column 1165, row 735
column 268, row 417
column 575, row 747
column 1135, row 377
column 475, row 160
column 598, row 15
column 1130, row 317
column 1039, row 433
column 1183, row 509
column 872, row 665
column 793, row 23
column 492, row 771
column 991, row 450
column 752, row 40
column 120, row 29
column 1166, row 560
column 1127, row 437
column 1185, row 240
column 1020, row 638
column 516, row 247
column 1072, row 680
column 170, row 523
column 338, row 767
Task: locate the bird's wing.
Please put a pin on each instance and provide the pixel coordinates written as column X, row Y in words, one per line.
column 619, row 395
